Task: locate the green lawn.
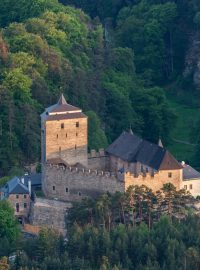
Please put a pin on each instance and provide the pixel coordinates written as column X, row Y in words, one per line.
column 187, row 119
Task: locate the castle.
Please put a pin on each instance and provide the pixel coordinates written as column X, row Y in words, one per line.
column 70, row 173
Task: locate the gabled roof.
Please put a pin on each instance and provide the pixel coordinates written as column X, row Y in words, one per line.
column 15, row 186
column 190, row 173
column 131, row 148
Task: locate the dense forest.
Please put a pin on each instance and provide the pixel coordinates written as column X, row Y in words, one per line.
column 115, row 59
column 136, row 230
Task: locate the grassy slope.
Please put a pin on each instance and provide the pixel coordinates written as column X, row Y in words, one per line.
column 187, row 116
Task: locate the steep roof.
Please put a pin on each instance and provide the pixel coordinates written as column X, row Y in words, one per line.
column 131, row 148
column 15, row 186
column 61, row 110
column 190, row 173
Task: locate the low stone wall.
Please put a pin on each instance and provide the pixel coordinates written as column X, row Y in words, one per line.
column 52, row 213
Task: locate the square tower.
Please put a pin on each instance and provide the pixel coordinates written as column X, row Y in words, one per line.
column 64, row 132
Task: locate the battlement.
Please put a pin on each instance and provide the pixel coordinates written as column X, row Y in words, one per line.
column 97, row 154
column 86, row 171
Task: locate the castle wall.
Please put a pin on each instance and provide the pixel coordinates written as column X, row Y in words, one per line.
column 73, row 184
column 117, row 164
column 192, row 185
column 154, row 181
column 50, row 213
column 67, row 140
column 98, row 160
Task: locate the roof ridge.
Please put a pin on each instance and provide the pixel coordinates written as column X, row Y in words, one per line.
column 62, row 100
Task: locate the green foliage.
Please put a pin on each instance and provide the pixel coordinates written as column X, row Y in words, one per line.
column 8, row 224
column 97, row 137
column 59, row 50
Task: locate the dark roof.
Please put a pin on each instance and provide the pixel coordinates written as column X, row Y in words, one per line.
column 65, row 116
column 64, row 108
column 190, row 173
column 15, row 186
column 131, row 148
column 36, row 179
column 61, row 110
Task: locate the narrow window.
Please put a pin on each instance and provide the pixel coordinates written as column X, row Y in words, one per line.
column 24, row 196
column 77, row 124
column 57, row 136
column 62, row 125
column 75, row 146
column 66, row 135
column 79, row 194
column 67, row 190
column 76, row 134
column 141, row 168
column 17, row 207
column 185, row 187
column 54, row 188
column 25, row 205
column 17, row 196
column 190, row 186
column 147, row 170
column 170, row 175
column 60, row 149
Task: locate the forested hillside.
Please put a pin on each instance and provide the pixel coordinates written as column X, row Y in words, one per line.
column 115, row 61
column 135, row 230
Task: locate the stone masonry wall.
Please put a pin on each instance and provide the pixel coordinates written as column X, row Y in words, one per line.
column 154, row 181
column 73, row 184
column 50, row 213
column 98, row 160
column 22, row 200
column 67, row 139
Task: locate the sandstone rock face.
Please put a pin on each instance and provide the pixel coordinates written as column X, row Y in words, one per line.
column 192, row 61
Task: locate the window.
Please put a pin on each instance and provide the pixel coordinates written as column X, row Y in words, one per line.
column 75, row 146
column 185, row 187
column 17, row 196
column 67, row 190
column 54, row 188
column 17, row 207
column 190, row 186
column 57, row 136
column 62, row 125
column 66, row 135
column 24, row 196
column 76, row 134
column 141, row 168
column 147, row 170
column 77, row 124
column 59, row 149
column 79, row 194
column 170, row 175
column 25, row 205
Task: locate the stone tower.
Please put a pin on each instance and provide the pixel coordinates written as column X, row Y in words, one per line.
column 64, row 133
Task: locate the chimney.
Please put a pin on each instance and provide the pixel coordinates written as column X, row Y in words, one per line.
column 22, row 180
column 29, row 186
